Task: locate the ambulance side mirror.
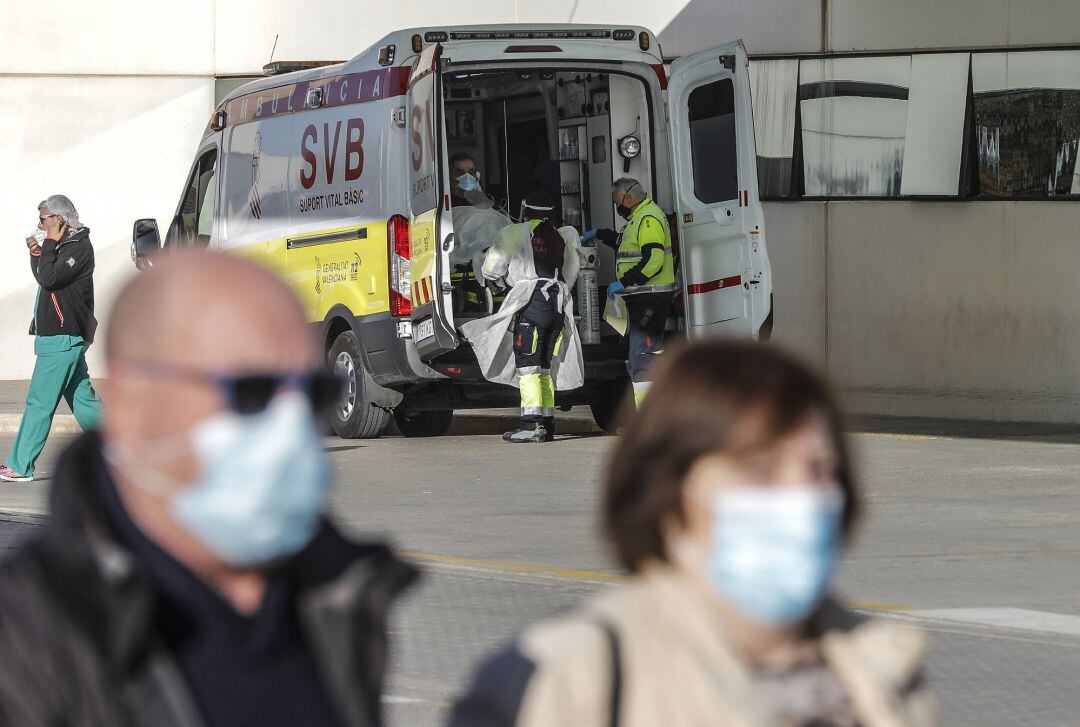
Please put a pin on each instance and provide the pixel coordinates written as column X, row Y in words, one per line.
column 145, row 243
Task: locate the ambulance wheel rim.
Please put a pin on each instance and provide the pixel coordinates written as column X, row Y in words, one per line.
column 345, row 368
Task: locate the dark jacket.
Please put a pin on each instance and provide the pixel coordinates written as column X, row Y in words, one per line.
column 65, row 272
column 78, row 644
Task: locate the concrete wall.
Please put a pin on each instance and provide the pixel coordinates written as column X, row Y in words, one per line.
column 966, row 310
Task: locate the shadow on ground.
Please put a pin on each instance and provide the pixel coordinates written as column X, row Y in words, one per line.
column 1017, row 431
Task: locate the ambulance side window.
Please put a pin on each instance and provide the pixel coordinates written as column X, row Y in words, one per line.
column 194, row 222
column 712, row 141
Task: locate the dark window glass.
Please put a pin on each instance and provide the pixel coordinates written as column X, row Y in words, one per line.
column 1027, row 143
column 188, row 229
column 712, row 141
column 1026, row 123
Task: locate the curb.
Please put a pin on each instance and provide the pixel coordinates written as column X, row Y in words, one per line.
column 464, row 424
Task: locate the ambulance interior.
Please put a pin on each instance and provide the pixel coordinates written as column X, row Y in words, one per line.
column 546, row 130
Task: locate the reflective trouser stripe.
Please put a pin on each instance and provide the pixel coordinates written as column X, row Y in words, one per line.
column 641, row 388
column 558, row 345
column 536, row 338
column 529, row 370
column 538, row 411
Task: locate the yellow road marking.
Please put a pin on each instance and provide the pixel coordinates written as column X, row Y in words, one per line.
column 587, row 576
column 905, row 437
column 511, row 567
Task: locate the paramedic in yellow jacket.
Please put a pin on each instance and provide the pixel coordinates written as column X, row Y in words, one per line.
column 536, row 321
column 644, row 275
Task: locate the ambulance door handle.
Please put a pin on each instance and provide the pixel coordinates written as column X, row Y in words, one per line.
column 448, row 242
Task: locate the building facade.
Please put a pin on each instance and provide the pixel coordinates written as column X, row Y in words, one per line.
column 918, row 162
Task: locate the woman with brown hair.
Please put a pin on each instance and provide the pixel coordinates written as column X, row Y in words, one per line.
column 728, row 499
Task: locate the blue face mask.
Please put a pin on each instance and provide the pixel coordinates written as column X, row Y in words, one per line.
column 774, row 550
column 262, row 485
column 468, row 183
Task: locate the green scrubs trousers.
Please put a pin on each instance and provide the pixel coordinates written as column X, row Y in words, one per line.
column 59, row 373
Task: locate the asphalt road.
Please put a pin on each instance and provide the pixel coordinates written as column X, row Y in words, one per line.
column 969, row 532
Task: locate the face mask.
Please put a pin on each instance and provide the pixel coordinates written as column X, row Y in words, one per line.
column 468, row 183
column 774, row 550
column 623, row 211
column 262, row 485
column 38, row 235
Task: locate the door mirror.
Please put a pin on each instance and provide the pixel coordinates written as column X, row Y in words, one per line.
column 145, row 243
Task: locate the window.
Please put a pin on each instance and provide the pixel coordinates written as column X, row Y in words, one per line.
column 854, row 114
column 712, row 141
column 773, row 90
column 1026, row 128
column 883, row 126
column 194, row 220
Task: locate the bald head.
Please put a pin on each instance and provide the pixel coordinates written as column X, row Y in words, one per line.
column 205, row 314
column 216, row 311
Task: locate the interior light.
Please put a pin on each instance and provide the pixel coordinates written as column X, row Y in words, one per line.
column 630, row 146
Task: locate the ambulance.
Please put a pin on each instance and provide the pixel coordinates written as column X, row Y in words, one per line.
column 338, row 178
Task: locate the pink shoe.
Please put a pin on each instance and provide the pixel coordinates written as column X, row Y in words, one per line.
column 9, row 475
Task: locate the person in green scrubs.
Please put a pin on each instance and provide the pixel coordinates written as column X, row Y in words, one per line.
column 63, row 329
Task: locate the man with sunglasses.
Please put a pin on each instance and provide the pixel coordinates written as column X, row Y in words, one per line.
column 62, row 260
column 188, row 574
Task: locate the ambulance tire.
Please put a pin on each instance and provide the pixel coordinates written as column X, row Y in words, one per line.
column 354, row 417
column 606, row 404
column 423, row 423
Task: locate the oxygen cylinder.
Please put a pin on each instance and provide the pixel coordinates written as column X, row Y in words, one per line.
column 588, row 297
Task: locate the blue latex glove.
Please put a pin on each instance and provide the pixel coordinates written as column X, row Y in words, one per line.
column 588, row 235
column 614, row 288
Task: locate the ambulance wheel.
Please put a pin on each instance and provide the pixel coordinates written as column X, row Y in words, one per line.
column 354, row 417
column 423, row 423
column 606, row 403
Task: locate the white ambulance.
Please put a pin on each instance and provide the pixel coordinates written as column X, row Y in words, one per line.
column 338, row 178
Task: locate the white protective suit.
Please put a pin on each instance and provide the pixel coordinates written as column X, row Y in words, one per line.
column 492, row 338
column 475, row 229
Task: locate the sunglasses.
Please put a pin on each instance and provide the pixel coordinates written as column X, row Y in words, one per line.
column 252, row 393
column 41, row 220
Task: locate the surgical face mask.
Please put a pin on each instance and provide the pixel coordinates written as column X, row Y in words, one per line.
column 262, row 484
column 468, row 183
column 774, row 550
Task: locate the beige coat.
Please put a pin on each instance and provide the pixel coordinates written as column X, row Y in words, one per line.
column 678, row 670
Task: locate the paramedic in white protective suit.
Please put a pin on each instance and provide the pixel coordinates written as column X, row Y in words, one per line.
column 476, row 221
column 532, row 342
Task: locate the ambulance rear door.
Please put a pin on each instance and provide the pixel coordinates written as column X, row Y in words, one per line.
column 727, row 284
column 431, row 232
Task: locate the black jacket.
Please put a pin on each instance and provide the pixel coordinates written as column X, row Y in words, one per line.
column 78, row 645
column 65, row 273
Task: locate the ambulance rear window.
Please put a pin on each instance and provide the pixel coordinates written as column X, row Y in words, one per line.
column 712, row 141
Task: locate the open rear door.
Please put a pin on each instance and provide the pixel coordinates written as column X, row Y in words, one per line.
column 430, row 224
column 727, row 284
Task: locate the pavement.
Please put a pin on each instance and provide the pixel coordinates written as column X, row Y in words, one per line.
column 969, row 533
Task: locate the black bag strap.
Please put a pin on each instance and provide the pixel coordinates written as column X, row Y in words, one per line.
column 615, row 651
